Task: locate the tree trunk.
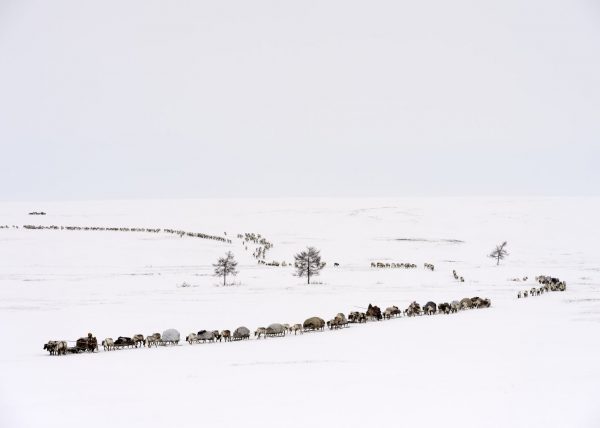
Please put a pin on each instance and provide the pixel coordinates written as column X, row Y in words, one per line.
column 224, row 278
column 498, row 261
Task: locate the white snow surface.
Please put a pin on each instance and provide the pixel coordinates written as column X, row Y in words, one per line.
column 521, row 363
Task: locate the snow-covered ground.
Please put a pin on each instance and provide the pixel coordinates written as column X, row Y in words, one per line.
column 520, row 363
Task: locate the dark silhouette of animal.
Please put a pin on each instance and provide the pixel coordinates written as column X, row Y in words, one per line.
column 124, row 342
column 51, row 347
column 444, row 308
column 374, row 312
column 478, row 302
column 466, row 303
column 357, row 317
column 88, row 344
column 430, row 308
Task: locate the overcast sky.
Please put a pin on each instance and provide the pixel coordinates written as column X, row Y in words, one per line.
column 151, row 99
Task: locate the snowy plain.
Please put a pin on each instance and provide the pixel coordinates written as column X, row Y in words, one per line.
column 521, row 363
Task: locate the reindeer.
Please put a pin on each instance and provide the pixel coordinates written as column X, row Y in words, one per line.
column 108, row 344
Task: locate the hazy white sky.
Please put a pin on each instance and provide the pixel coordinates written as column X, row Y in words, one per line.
column 118, row 99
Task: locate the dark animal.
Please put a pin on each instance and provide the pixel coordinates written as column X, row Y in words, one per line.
column 374, row 312
column 444, row 308
column 413, row 309
column 89, row 343
column 124, row 342
column 357, row 317
column 466, row 303
column 430, row 308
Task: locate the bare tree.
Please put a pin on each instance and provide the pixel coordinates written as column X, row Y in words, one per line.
column 499, row 253
column 308, row 263
column 226, row 266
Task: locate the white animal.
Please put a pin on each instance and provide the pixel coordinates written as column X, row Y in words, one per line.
column 61, row 347
column 108, row 344
column 297, row 328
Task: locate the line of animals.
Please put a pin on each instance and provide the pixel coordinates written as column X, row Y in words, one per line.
column 548, row 284
column 393, row 265
column 275, row 263
column 260, row 253
column 286, row 264
column 456, row 277
column 37, row 213
column 429, row 266
column 172, row 336
column 6, row 226
column 181, row 233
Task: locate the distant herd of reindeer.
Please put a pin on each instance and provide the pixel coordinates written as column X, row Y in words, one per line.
column 180, row 233
column 457, row 277
column 548, row 284
column 393, row 265
column 172, row 336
